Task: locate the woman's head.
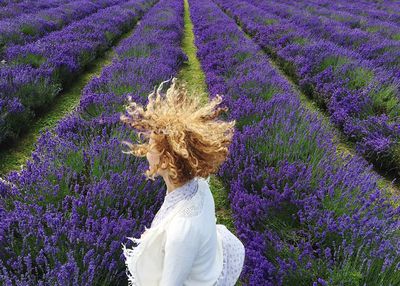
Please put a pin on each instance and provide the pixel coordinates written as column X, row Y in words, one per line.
column 183, row 138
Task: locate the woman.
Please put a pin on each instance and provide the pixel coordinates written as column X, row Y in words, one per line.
column 186, row 144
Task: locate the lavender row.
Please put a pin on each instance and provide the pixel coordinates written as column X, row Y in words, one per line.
column 304, row 213
column 359, row 97
column 389, row 13
column 37, row 71
column 63, row 218
column 29, row 27
column 10, row 9
column 380, row 51
column 375, row 27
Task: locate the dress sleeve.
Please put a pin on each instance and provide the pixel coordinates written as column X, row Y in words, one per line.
column 181, row 248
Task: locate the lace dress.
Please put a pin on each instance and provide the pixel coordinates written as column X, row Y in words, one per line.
column 233, row 250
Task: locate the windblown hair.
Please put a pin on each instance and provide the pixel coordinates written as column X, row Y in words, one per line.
column 191, row 141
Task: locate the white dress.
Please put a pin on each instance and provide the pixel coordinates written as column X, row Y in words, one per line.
column 191, row 245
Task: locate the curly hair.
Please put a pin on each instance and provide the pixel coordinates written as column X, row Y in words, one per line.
column 191, row 141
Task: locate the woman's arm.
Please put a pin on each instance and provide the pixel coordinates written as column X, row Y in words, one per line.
column 181, row 248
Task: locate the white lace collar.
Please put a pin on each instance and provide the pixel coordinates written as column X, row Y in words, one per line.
column 184, row 192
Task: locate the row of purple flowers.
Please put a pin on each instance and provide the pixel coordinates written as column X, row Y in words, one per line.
column 362, row 22
column 380, row 51
column 63, row 218
column 381, row 14
column 10, row 9
column 306, row 215
column 29, row 27
column 360, row 98
column 38, row 71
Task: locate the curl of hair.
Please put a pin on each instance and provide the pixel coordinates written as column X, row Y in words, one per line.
column 191, row 141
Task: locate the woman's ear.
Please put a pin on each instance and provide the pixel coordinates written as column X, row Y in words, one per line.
column 164, row 162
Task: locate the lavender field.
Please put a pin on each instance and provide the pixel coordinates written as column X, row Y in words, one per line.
column 311, row 180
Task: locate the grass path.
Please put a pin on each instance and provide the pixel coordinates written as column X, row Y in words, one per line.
column 343, row 145
column 14, row 157
column 192, row 75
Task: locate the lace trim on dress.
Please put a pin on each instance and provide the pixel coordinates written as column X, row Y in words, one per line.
column 184, row 192
column 195, row 207
column 130, row 261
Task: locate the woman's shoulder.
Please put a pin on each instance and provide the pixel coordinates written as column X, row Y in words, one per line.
column 181, row 229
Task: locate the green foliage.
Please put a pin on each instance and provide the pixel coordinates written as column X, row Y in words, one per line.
column 48, row 197
column 101, row 169
column 346, row 275
column 310, row 9
column 75, row 161
column 294, row 144
column 250, row 84
column 269, row 91
column 332, row 61
column 289, row 68
column 13, row 124
column 396, row 37
column 122, row 89
column 30, row 59
column 385, row 100
column 269, row 21
column 86, row 57
column 353, row 270
column 248, row 120
column 28, row 29
column 241, row 56
column 92, row 110
column 148, row 28
column 61, row 74
column 358, row 77
column 301, row 41
column 264, row 21
column 110, row 36
column 373, row 29
column 341, row 18
column 137, row 52
column 38, row 94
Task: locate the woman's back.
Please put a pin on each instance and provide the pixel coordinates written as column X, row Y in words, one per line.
column 191, row 238
column 207, row 265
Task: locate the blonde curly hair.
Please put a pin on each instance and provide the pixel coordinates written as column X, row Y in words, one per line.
column 190, row 141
